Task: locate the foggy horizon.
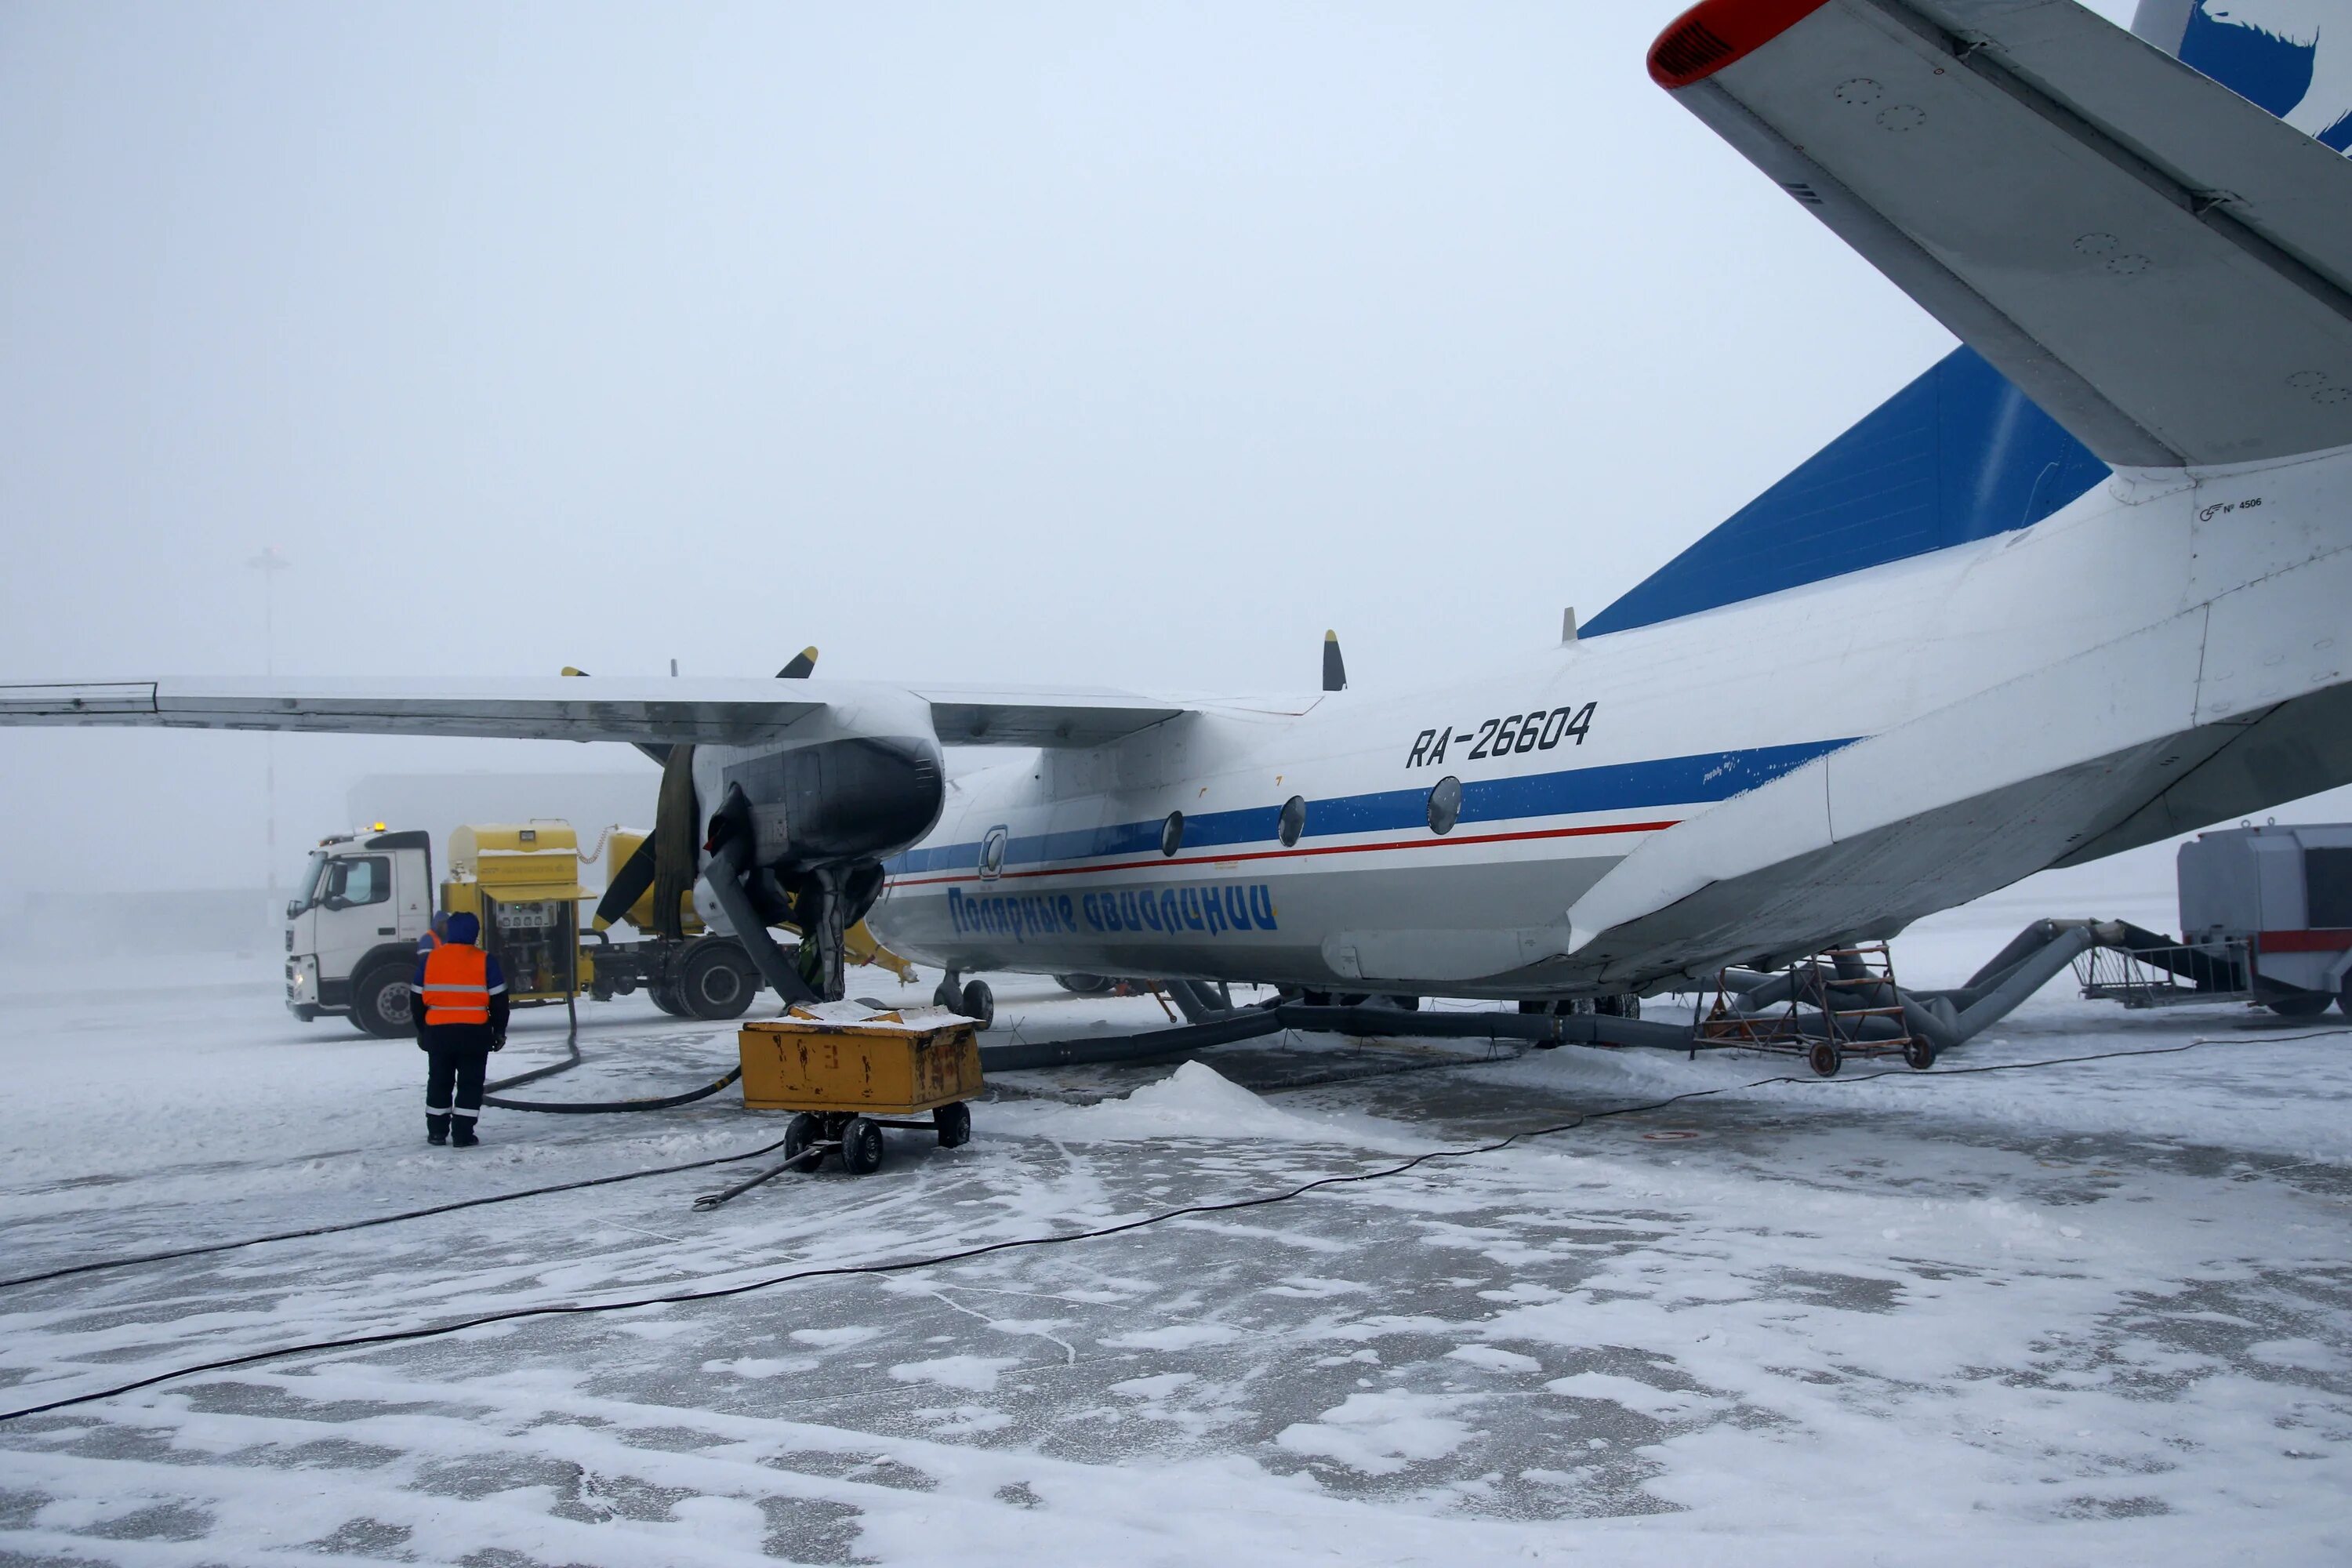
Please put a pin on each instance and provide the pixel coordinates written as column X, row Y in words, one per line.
column 1127, row 348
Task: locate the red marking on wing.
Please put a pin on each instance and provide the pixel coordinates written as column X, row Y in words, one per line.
column 1714, row 33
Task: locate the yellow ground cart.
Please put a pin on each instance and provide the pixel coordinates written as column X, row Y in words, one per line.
column 848, row 1073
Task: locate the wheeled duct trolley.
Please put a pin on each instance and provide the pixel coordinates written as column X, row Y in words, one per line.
column 848, row 1073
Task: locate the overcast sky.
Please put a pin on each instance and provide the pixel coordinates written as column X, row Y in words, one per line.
column 1121, row 344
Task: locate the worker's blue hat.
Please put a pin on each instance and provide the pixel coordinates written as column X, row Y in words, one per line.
column 463, row 927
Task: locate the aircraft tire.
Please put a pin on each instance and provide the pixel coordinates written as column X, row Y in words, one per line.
column 979, row 1004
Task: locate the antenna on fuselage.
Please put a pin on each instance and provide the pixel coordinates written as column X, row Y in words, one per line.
column 1335, row 668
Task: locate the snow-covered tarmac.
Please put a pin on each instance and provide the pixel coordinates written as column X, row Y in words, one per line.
column 2093, row 1313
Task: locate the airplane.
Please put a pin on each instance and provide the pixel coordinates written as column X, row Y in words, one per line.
column 2081, row 586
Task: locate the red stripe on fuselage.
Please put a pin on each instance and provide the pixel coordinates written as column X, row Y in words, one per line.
column 1292, row 854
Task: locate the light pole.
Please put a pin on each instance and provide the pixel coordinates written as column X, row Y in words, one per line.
column 269, row 563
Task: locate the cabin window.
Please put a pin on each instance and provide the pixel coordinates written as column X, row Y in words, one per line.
column 1445, row 805
column 1172, row 833
column 1294, row 820
column 991, row 852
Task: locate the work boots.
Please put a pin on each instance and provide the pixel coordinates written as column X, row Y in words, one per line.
column 436, row 1129
column 461, row 1132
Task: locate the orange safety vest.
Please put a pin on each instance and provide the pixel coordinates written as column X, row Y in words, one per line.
column 457, row 988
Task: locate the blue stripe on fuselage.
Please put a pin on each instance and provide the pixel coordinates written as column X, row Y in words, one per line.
column 1701, row 779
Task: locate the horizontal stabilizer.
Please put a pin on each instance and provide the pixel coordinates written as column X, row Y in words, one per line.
column 2155, row 261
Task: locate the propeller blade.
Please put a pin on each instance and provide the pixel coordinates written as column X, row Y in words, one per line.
column 677, row 851
column 630, row 880
column 802, row 666
column 1335, row 668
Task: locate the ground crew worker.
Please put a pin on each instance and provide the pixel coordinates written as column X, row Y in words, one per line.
column 460, row 1009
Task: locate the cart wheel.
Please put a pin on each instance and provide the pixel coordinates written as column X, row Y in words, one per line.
column 954, row 1123
column 801, row 1131
column 1825, row 1058
column 1918, row 1054
column 861, row 1146
column 979, row 1003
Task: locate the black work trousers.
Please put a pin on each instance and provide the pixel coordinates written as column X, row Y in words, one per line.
column 458, row 1056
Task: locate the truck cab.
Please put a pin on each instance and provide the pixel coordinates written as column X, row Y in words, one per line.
column 364, row 902
column 367, row 900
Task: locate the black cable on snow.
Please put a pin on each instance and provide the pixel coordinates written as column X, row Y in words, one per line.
column 935, row 1260
column 373, row 1220
column 573, row 1059
column 604, row 1107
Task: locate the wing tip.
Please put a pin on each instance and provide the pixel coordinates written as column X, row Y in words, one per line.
column 1712, row 33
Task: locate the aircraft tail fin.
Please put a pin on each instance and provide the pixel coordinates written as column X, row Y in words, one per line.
column 2154, row 259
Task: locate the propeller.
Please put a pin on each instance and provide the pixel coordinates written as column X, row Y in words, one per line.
column 667, row 861
column 1335, row 668
column 854, row 797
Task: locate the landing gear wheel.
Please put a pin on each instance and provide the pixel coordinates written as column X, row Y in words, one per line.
column 716, row 983
column 801, row 1131
column 1918, row 1055
column 954, row 1123
column 1624, row 1005
column 979, row 1003
column 2308, row 1004
column 381, row 1004
column 667, row 998
column 861, row 1147
column 1825, row 1058
column 1083, row 984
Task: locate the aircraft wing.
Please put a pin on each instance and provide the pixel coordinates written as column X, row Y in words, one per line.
column 734, row 711
column 2157, row 262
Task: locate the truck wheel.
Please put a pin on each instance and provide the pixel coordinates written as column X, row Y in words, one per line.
column 954, row 1123
column 667, row 998
column 715, row 982
column 380, row 1003
column 2304, row 1005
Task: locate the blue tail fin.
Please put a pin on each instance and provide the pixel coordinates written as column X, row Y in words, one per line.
column 1961, row 453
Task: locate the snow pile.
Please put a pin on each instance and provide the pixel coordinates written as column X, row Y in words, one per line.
column 1193, row 1102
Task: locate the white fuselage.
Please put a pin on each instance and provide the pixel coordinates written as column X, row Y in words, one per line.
column 1660, row 723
